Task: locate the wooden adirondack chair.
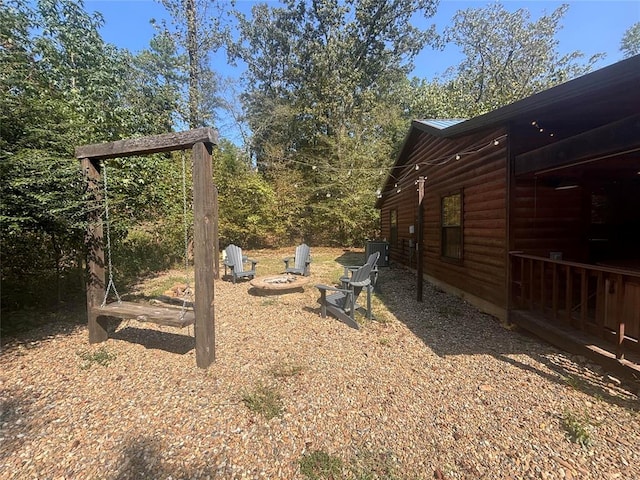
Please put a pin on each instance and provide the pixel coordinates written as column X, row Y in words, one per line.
column 342, row 304
column 301, row 261
column 236, row 262
column 372, row 260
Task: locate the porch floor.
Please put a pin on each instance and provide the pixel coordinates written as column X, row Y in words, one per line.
column 578, row 343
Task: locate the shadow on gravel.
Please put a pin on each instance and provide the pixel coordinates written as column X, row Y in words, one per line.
column 142, row 458
column 154, row 339
column 350, row 257
column 16, row 414
column 34, row 325
column 449, row 326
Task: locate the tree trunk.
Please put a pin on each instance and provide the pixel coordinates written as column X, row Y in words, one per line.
column 194, row 70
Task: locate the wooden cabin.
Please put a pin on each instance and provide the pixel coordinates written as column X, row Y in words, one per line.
column 531, row 212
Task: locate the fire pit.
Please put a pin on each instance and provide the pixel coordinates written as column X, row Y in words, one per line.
column 279, row 283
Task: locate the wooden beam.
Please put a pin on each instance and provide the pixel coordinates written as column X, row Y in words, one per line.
column 160, row 315
column 204, row 242
column 568, row 295
column 95, row 280
column 166, row 142
column 620, row 320
column 620, row 136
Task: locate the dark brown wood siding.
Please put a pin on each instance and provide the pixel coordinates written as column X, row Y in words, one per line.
column 480, row 173
column 546, row 220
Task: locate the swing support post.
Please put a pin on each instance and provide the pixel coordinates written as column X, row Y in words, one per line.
column 204, row 239
column 95, row 258
column 205, row 235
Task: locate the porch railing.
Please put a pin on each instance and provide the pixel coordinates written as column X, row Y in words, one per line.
column 599, row 300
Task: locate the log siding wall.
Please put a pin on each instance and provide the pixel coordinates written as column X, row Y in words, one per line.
column 546, row 220
column 481, row 175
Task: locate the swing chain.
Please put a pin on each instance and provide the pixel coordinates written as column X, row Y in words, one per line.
column 186, row 236
column 108, row 223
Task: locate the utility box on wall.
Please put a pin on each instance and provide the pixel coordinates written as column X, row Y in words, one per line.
column 378, row 246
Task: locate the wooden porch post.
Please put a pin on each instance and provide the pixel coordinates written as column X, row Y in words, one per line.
column 95, row 280
column 204, row 246
column 620, row 317
column 420, row 259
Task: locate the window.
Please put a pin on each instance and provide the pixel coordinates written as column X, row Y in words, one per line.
column 599, row 209
column 452, row 226
column 393, row 223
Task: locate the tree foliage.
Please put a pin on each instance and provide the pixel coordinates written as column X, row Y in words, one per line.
column 61, row 86
column 630, row 43
column 199, row 28
column 507, row 57
column 319, row 73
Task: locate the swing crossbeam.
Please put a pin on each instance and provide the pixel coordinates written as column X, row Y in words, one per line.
column 165, row 316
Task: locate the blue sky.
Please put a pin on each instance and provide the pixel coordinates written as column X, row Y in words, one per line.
column 590, row 26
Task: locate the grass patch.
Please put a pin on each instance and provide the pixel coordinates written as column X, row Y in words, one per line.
column 269, row 301
column 159, row 285
column 264, row 400
column 368, row 465
column 286, row 370
column 384, row 341
column 320, row 465
column 100, row 357
column 578, row 428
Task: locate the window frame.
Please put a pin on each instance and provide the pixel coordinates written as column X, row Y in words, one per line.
column 393, row 227
column 448, row 231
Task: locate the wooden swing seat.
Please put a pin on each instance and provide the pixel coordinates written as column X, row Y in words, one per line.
column 166, row 316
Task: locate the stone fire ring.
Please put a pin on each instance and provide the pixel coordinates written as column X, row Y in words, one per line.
column 279, row 283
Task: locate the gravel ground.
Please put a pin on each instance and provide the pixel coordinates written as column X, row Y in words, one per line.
column 429, row 390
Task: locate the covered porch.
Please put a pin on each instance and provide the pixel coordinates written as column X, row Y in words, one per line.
column 574, row 254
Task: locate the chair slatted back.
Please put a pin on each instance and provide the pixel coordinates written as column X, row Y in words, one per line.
column 234, row 258
column 302, row 255
column 360, row 277
column 373, row 259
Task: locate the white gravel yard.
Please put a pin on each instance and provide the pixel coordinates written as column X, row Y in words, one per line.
column 430, row 390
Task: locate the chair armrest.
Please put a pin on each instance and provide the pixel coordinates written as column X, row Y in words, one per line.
column 286, row 261
column 253, row 263
column 350, row 268
column 363, row 283
column 333, row 289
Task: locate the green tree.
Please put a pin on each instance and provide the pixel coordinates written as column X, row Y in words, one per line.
column 154, row 89
column 318, row 102
column 507, row 57
column 630, row 44
column 200, row 28
column 247, row 204
column 61, row 86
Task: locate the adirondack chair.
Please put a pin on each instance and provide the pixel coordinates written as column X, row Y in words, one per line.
column 342, row 304
column 371, row 260
column 301, row 261
column 236, row 262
